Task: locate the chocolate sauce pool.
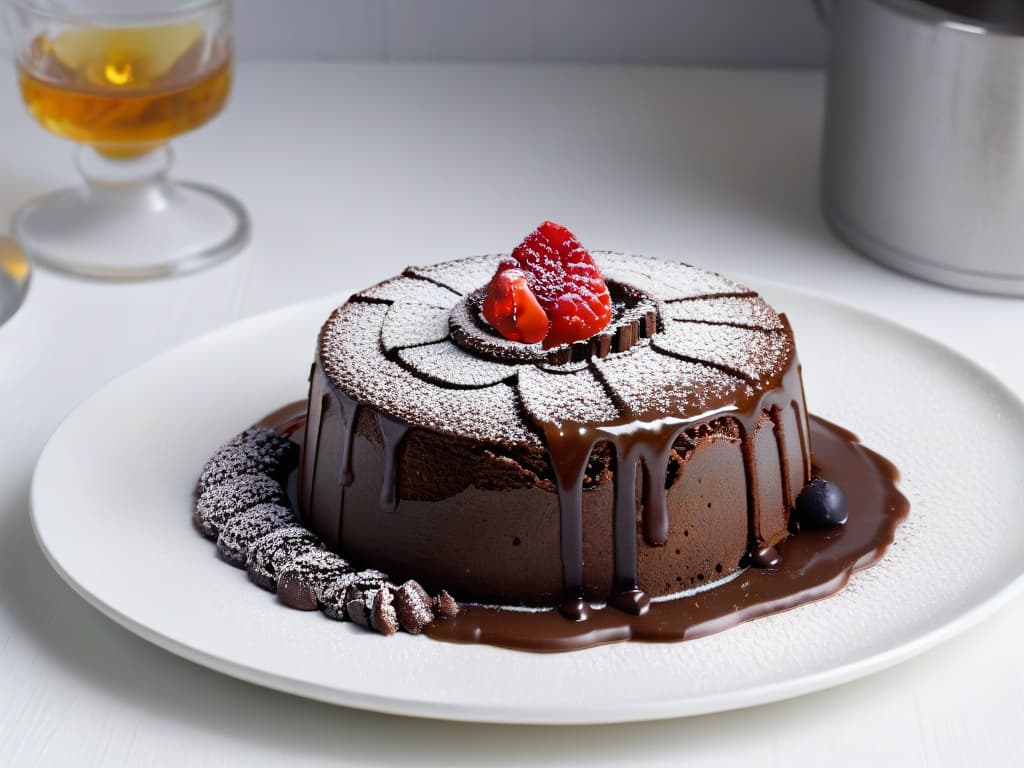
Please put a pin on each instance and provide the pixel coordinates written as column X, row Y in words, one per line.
column 814, row 565
column 811, row 565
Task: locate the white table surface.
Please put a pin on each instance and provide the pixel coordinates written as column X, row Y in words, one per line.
column 352, row 172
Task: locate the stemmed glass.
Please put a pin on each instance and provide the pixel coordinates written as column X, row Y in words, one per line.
column 121, row 78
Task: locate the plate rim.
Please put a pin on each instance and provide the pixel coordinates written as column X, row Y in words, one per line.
column 633, row 711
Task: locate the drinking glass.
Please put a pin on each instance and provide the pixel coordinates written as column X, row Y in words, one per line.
column 121, row 78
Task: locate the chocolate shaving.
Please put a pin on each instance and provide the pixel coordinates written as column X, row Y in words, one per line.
column 383, row 617
column 414, row 607
column 445, row 606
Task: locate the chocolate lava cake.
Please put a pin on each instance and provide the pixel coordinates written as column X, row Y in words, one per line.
column 614, row 436
column 658, row 454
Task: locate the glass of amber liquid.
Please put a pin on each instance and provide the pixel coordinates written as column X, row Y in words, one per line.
column 121, row 78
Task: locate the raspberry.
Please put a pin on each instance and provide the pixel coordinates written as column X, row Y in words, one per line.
column 511, row 307
column 560, row 277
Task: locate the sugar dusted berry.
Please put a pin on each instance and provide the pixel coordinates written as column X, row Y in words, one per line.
column 552, row 275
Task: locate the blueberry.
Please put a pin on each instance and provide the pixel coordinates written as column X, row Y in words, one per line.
column 821, row 504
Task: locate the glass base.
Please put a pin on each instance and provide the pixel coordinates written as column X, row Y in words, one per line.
column 130, row 222
column 14, row 278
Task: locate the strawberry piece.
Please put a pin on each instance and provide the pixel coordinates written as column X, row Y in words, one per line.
column 566, row 282
column 512, row 308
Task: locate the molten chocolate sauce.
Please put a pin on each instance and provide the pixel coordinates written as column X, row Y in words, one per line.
column 808, row 566
column 649, row 441
column 811, row 565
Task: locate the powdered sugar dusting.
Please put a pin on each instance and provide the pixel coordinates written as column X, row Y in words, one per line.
column 463, row 275
column 748, row 311
column 302, row 580
column 256, row 451
column 448, row 364
column 219, row 503
column 755, row 354
column 351, row 356
column 411, row 290
column 410, row 361
column 664, row 280
column 555, row 398
column 654, row 385
column 241, row 532
column 274, row 551
column 408, row 325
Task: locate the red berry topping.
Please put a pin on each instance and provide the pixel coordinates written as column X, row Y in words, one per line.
column 562, row 280
column 511, row 307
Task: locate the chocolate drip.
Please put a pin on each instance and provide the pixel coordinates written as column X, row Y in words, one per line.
column 813, row 565
column 805, row 442
column 780, row 442
column 569, row 448
column 635, row 602
column 325, row 404
column 810, row 566
column 392, row 431
column 655, row 501
column 753, row 497
column 307, row 459
column 803, row 426
column 570, row 444
column 624, row 521
column 349, row 412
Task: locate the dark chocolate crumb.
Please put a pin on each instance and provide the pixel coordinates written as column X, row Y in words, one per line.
column 445, row 606
column 301, row 581
column 241, row 504
column 295, row 592
column 270, row 554
column 219, row 503
column 358, row 608
column 414, row 607
column 383, row 617
column 334, row 595
column 240, row 532
column 360, row 594
column 257, row 451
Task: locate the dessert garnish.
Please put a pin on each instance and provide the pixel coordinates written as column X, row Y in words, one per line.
column 821, row 504
column 242, row 504
column 548, row 291
column 512, row 308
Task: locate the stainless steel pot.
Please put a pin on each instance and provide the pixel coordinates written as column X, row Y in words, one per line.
column 923, row 165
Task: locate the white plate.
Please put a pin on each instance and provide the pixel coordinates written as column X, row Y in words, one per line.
column 111, row 501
